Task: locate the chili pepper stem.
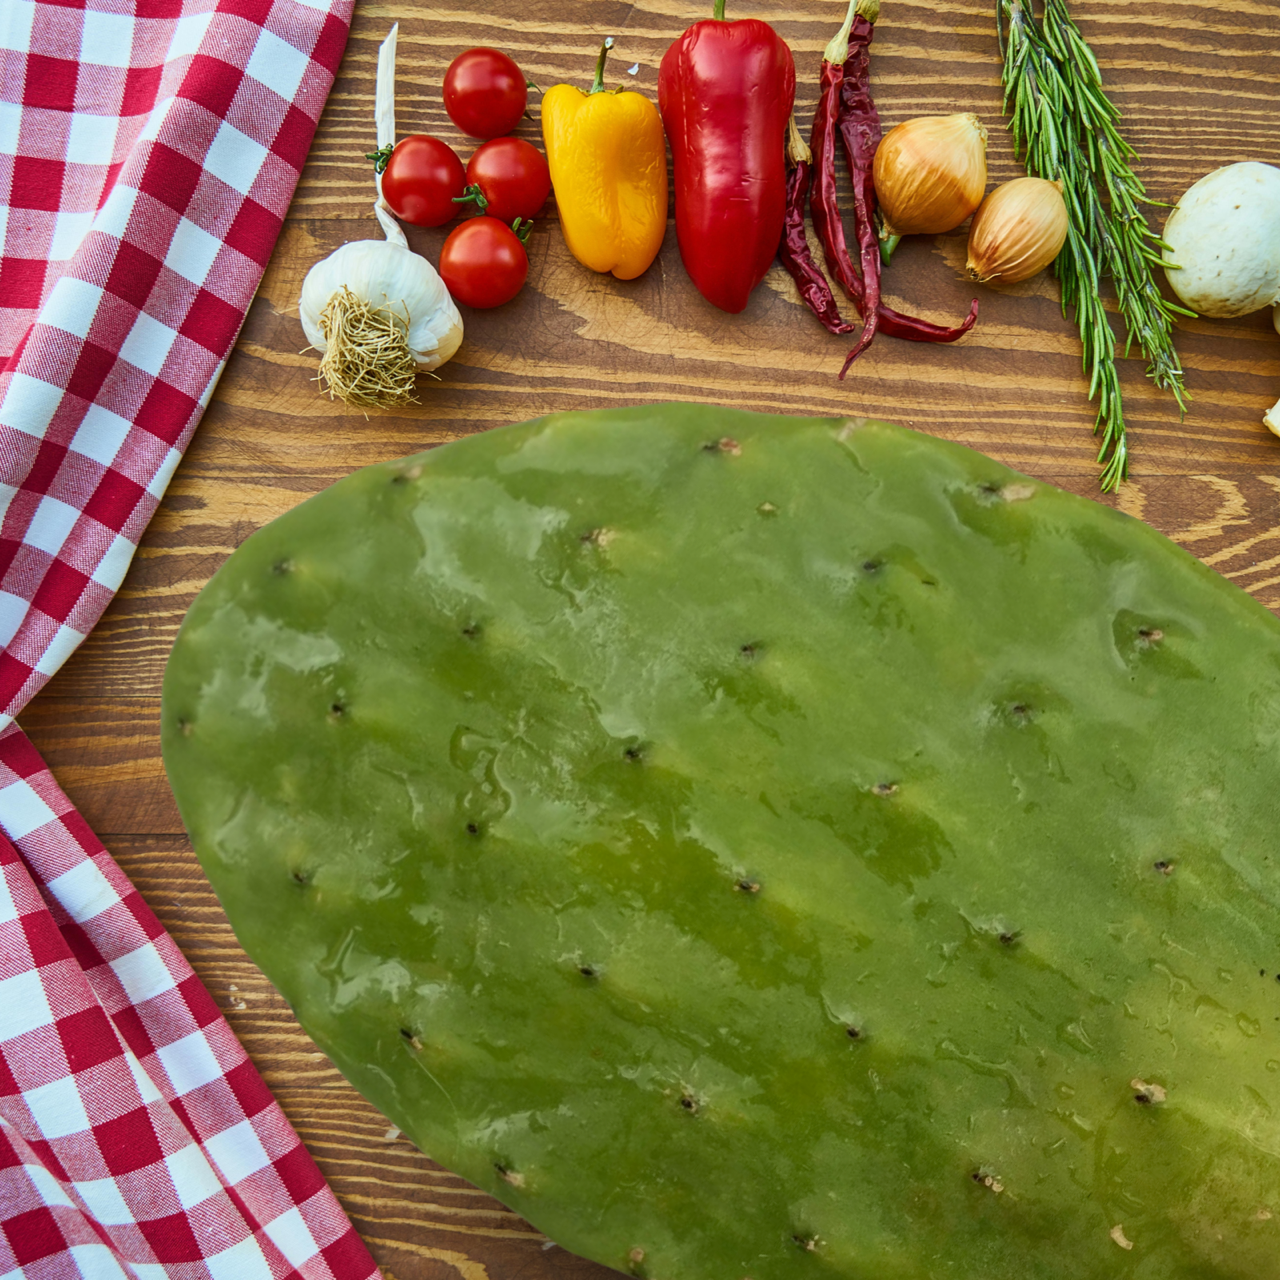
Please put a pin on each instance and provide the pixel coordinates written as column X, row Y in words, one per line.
column 597, row 85
column 837, row 49
column 797, row 148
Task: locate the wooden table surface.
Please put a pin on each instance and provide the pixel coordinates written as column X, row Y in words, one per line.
column 1196, row 82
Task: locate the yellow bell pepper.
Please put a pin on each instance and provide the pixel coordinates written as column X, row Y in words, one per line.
column 608, row 161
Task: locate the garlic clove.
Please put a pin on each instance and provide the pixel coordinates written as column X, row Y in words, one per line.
column 1271, row 419
column 1018, row 230
column 930, row 173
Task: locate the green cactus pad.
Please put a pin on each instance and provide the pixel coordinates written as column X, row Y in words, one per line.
column 764, row 847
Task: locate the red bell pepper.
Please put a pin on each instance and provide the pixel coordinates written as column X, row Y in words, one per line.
column 725, row 90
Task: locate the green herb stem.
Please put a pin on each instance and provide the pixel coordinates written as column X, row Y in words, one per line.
column 1065, row 128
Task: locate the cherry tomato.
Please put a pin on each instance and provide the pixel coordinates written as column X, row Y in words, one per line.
column 512, row 176
column 483, row 263
column 484, row 93
column 421, row 179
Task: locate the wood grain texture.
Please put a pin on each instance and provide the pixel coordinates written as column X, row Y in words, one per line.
column 1196, row 82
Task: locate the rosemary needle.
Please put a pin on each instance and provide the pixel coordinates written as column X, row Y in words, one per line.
column 1066, row 127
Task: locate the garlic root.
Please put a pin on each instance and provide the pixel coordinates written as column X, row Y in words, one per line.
column 367, row 361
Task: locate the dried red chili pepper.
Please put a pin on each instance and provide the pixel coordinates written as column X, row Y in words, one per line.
column 824, row 206
column 844, row 103
column 826, row 209
column 859, row 124
column 725, row 90
column 794, row 250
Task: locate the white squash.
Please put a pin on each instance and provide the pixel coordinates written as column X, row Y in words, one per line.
column 1223, row 246
column 1223, row 255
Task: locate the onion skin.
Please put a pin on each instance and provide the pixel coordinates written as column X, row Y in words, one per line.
column 930, row 173
column 1018, row 230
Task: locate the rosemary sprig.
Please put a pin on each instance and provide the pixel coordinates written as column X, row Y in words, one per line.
column 1066, row 127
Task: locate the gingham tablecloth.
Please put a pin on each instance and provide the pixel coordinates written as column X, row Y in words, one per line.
column 148, row 153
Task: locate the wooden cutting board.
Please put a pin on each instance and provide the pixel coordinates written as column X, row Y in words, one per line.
column 1197, row 87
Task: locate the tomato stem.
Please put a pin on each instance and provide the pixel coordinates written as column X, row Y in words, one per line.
column 522, row 232
column 597, row 85
column 380, row 157
column 472, row 194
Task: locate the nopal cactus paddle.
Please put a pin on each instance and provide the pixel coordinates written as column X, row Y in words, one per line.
column 764, row 847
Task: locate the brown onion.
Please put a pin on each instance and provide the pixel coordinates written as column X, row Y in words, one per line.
column 1018, row 230
column 930, row 173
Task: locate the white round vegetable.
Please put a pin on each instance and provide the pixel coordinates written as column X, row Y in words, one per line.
column 1223, row 247
column 389, row 275
column 1223, row 255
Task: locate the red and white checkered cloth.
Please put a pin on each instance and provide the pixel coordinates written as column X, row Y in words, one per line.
column 148, row 153
column 147, row 160
column 136, row 1137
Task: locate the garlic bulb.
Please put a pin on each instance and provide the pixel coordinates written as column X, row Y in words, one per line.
column 1018, row 230
column 386, row 275
column 376, row 311
column 930, row 173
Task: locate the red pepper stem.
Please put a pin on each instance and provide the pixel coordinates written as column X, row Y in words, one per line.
column 597, row 85
column 718, row 12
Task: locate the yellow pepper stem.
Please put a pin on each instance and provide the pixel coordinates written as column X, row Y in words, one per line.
column 608, row 166
column 597, row 85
